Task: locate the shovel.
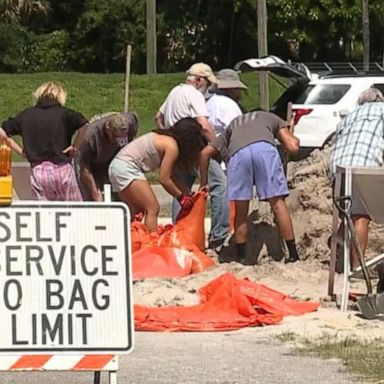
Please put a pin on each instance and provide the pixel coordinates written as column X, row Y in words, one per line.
column 370, row 305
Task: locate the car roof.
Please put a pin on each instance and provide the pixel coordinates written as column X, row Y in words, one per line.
column 348, row 79
column 351, row 72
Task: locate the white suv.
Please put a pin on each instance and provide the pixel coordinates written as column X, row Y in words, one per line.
column 319, row 101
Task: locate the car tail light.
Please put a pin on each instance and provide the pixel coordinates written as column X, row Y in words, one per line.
column 301, row 112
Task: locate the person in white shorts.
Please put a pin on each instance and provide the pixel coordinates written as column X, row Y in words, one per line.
column 160, row 149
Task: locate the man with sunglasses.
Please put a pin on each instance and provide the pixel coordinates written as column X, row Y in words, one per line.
column 105, row 135
column 187, row 100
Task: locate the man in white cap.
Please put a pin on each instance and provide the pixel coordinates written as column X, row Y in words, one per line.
column 187, row 100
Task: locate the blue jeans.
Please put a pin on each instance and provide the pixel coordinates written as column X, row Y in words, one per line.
column 217, row 182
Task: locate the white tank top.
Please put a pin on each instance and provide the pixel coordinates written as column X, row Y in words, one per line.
column 142, row 153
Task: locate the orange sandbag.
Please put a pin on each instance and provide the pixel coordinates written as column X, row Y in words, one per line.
column 161, row 262
column 153, row 262
column 138, row 233
column 226, row 308
column 261, row 296
column 200, row 261
column 193, row 222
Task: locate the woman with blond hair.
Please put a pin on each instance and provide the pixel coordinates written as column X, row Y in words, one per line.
column 46, row 130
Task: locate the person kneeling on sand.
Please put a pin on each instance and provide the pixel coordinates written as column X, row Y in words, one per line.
column 160, row 149
column 248, row 147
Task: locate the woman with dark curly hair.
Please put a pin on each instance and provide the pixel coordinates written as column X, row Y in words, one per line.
column 160, row 149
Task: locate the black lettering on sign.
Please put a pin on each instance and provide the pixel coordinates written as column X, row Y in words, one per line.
column 84, row 327
column 59, row 224
column 82, row 258
column 70, row 329
column 34, row 327
column 33, row 255
column 47, row 328
column 15, row 340
column 20, row 225
column 53, row 290
column 107, row 259
column 17, row 293
column 57, row 263
column 104, row 299
column 7, row 232
column 39, row 237
column 73, row 260
column 77, row 295
column 9, row 259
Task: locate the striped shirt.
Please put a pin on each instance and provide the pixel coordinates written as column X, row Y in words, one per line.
column 360, row 138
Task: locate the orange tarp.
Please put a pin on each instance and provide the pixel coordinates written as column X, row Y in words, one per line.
column 227, row 303
column 174, row 250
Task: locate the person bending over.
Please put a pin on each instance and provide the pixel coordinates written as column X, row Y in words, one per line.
column 248, row 146
column 105, row 136
column 160, row 149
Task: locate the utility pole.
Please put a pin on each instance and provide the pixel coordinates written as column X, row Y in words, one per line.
column 127, row 77
column 365, row 13
column 151, row 37
column 262, row 45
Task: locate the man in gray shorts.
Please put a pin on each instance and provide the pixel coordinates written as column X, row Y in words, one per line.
column 105, row 135
column 359, row 143
column 248, row 146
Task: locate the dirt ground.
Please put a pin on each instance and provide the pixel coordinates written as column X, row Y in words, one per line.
column 311, row 208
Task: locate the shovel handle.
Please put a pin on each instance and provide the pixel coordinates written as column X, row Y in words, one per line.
column 343, row 205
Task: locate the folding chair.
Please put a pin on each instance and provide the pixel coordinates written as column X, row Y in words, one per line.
column 368, row 183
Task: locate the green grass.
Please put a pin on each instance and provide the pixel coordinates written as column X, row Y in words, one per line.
column 97, row 93
column 364, row 359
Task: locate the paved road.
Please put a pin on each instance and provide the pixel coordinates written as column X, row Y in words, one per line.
column 240, row 357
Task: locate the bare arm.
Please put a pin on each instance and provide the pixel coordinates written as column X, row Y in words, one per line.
column 204, row 157
column 171, row 152
column 290, row 142
column 208, row 130
column 159, row 120
column 12, row 143
column 90, row 183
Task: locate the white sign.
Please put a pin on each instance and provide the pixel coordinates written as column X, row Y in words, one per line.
column 65, row 278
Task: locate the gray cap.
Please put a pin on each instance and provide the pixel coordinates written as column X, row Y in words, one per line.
column 123, row 124
column 228, row 78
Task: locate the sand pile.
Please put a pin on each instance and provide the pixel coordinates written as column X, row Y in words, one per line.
column 310, row 203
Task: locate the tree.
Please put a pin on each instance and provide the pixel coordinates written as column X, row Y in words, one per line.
column 102, row 32
column 22, row 11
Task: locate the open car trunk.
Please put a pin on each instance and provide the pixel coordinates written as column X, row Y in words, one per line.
column 297, row 73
